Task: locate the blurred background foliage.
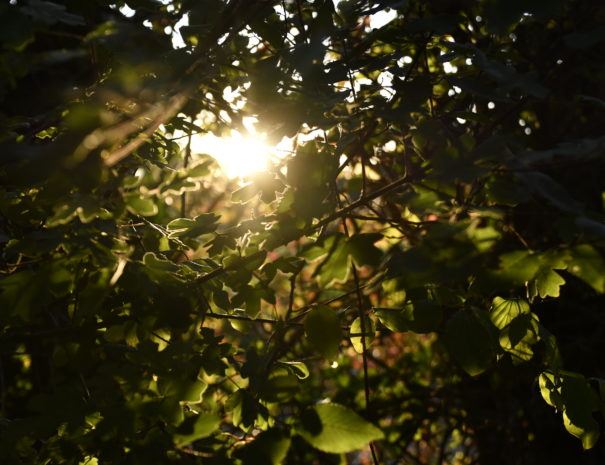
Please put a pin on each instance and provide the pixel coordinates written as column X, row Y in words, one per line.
column 417, row 279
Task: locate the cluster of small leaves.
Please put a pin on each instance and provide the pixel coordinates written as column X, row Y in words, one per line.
column 397, row 289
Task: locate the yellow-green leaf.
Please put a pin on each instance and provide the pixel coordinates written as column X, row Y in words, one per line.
column 366, row 330
column 337, row 429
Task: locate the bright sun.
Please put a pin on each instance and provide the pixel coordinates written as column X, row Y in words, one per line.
column 238, row 156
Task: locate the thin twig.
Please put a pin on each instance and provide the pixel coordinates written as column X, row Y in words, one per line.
column 364, row 357
column 185, row 165
column 520, row 237
column 291, row 298
column 362, row 322
column 426, row 61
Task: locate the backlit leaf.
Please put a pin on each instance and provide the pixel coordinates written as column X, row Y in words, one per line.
column 336, row 429
column 196, row 427
column 140, row 205
column 361, row 327
column 393, row 318
column 299, row 369
column 505, row 310
column 587, row 264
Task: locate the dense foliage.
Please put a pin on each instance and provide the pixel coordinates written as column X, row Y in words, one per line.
column 420, row 281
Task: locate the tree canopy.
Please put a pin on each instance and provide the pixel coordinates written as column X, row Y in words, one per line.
column 418, row 279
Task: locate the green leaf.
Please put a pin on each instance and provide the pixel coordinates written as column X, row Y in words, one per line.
column 196, row 427
column 580, row 401
column 322, row 326
column 250, row 297
column 63, row 215
column 299, row 369
column 140, row 205
column 268, row 448
column 200, row 170
column 585, row 428
column 393, row 318
column 279, row 388
column 551, row 390
column 243, row 407
column 245, row 193
column 369, row 330
column 505, row 310
column 337, row 265
column 156, row 263
column 183, row 389
column 85, row 206
column 201, row 224
column 221, row 299
column 179, row 224
column 470, row 343
column 518, row 337
column 178, row 186
column 547, row 283
column 419, row 316
column 519, row 266
column 587, row 264
column 336, row 429
column 571, row 393
column 289, row 264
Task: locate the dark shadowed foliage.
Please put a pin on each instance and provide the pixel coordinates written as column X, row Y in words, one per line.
column 418, row 279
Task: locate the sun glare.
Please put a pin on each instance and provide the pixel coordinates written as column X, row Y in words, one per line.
column 238, row 156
